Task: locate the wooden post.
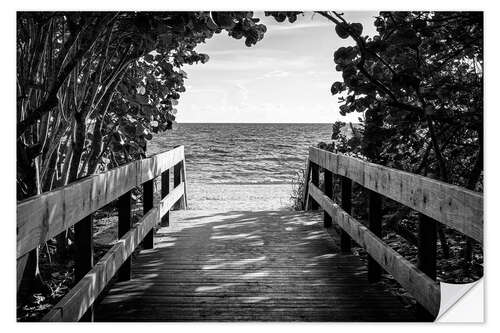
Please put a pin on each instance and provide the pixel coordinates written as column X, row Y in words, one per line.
column 84, row 260
column 184, row 196
column 305, row 194
column 147, row 205
column 327, row 219
column 346, row 185
column 315, row 180
column 427, row 248
column 177, row 181
column 375, row 225
column 165, row 189
column 124, row 225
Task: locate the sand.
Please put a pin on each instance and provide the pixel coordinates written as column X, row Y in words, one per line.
column 227, row 197
column 215, row 197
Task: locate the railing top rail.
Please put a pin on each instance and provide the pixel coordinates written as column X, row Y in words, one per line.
column 44, row 216
column 454, row 206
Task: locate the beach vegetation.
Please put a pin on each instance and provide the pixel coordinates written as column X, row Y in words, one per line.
column 417, row 85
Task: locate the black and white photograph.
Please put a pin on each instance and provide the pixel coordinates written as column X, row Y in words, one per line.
column 247, row 166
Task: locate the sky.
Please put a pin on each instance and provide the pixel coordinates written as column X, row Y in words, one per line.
column 284, row 78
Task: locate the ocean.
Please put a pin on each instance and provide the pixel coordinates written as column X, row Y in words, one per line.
column 242, row 153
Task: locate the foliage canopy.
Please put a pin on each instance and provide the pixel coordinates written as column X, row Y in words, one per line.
column 93, row 86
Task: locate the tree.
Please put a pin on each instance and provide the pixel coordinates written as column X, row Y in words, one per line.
column 419, row 84
column 420, row 80
column 93, row 86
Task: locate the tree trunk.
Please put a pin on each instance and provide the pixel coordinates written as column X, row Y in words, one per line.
column 77, row 145
column 29, row 277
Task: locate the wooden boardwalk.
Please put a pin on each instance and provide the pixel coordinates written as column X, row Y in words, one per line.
column 248, row 266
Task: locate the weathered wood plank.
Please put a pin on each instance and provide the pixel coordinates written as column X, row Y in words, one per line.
column 172, row 197
column 124, row 226
column 418, row 284
column 305, row 196
column 207, row 266
column 451, row 205
column 44, row 216
column 147, row 205
column 177, row 181
column 375, row 226
column 153, row 166
column 314, row 180
column 84, row 260
column 427, row 255
column 165, row 189
column 327, row 219
column 184, row 181
column 74, row 305
column 346, row 204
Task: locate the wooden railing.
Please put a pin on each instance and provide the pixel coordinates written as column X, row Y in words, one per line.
column 438, row 202
column 42, row 217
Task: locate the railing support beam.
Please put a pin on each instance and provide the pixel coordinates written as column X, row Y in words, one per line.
column 327, row 219
column 346, row 186
column 177, row 181
column 84, row 260
column 305, row 194
column 375, row 225
column 124, row 225
column 313, row 205
column 427, row 249
column 147, row 205
column 165, row 189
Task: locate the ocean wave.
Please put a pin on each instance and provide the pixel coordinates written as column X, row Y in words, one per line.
column 243, row 153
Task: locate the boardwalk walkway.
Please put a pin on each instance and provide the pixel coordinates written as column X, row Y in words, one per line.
column 257, row 265
column 248, row 266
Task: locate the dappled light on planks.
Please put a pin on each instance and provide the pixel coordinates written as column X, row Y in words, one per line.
column 248, row 266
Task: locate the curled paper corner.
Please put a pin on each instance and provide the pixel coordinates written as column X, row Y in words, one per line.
column 459, row 303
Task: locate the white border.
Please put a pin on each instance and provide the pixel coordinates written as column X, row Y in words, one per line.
column 7, row 132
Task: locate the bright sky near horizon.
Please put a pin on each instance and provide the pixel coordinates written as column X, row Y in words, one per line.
column 285, row 78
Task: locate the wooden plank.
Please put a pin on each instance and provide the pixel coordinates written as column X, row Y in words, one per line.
column 147, row 205
column 169, row 201
column 177, row 181
column 209, row 275
column 153, row 166
column 184, row 180
column 44, row 216
column 124, row 226
column 165, row 189
column 417, row 283
column 375, row 226
column 427, row 255
column 314, row 180
column 327, row 219
column 346, row 204
column 427, row 245
column 84, row 260
column 452, row 205
column 74, row 305
column 47, row 215
column 305, row 196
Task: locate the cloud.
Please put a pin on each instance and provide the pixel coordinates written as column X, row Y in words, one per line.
column 276, row 73
column 255, row 62
column 302, row 26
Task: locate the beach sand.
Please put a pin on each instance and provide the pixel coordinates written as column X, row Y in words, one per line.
column 218, row 197
column 227, row 197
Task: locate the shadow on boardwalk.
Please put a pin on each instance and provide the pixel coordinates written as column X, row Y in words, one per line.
column 248, row 266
